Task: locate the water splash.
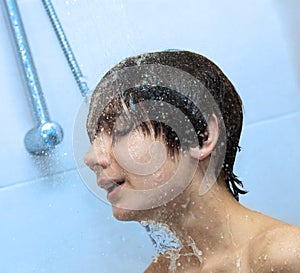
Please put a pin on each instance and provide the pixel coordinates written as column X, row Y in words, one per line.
column 162, row 237
column 167, row 243
column 196, row 251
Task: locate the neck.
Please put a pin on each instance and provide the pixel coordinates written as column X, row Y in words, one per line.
column 205, row 224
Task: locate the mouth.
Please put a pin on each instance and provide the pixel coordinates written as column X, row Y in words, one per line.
column 114, row 186
column 111, row 185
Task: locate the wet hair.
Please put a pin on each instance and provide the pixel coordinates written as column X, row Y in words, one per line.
column 127, row 111
column 205, row 71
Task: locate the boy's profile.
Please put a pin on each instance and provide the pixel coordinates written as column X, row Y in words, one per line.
column 165, row 129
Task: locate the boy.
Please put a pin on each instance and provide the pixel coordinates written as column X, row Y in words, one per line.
column 165, row 129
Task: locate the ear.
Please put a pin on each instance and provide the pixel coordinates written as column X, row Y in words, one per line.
column 212, row 131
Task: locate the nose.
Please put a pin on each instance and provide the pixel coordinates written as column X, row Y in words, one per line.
column 97, row 156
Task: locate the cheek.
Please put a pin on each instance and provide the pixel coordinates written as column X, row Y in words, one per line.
column 144, row 160
column 140, row 155
column 155, row 179
column 165, row 173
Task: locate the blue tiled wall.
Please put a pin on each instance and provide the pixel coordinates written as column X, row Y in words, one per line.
column 50, row 222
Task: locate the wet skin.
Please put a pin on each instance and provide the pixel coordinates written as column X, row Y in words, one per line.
column 217, row 233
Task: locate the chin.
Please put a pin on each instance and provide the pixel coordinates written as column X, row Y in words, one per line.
column 122, row 214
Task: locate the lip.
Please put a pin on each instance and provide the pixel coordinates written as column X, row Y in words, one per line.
column 112, row 196
column 105, row 183
column 109, row 186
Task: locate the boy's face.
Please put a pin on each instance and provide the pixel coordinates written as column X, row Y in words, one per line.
column 137, row 172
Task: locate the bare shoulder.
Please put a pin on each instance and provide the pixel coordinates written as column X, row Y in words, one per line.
column 159, row 265
column 276, row 250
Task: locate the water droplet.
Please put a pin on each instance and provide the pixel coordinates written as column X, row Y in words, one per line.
column 265, row 257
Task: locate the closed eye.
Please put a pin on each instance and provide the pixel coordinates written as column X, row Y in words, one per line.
column 122, row 128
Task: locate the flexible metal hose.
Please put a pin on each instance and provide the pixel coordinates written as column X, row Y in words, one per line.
column 63, row 41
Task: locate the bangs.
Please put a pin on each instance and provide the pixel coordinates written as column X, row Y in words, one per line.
column 155, row 111
column 121, row 115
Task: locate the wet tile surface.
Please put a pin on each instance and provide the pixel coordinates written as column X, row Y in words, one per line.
column 49, row 221
column 56, row 225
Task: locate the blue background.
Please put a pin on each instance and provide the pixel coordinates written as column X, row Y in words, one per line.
column 49, row 221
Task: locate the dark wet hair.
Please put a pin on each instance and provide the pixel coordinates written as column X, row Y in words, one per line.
column 127, row 111
column 214, row 80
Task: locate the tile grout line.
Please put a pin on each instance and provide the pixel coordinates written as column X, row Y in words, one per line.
column 31, row 181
